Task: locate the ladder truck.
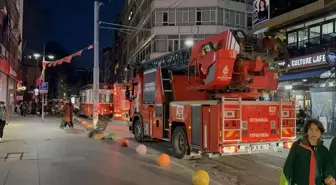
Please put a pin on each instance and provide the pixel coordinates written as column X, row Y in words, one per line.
column 203, row 99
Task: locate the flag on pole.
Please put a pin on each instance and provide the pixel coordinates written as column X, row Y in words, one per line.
column 59, row 61
column 78, row 53
column 67, row 59
column 54, row 64
column 44, row 65
column 90, row 46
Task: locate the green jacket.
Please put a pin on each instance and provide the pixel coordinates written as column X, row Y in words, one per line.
column 305, row 166
column 332, row 150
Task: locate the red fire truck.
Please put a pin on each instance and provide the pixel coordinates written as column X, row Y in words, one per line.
column 121, row 105
column 204, row 99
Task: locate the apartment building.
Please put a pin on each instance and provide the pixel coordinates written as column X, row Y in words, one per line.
column 156, row 27
column 11, row 19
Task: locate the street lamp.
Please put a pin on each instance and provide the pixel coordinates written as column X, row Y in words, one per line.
column 51, row 57
column 36, row 55
column 189, row 42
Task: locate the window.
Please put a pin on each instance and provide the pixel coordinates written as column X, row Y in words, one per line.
column 213, row 15
column 179, row 17
column 173, row 45
column 160, row 46
column 165, row 18
column 105, row 97
column 185, row 13
column 242, row 20
column 205, row 16
column 229, row 17
column 249, row 21
column 159, row 18
column 239, row 19
column 327, row 28
column 292, row 38
column 303, row 37
column 315, row 33
column 232, row 17
column 192, row 14
column 220, row 16
column 171, row 17
column 198, row 16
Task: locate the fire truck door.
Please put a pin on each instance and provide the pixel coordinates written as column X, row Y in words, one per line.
column 157, row 124
column 151, row 115
column 196, row 127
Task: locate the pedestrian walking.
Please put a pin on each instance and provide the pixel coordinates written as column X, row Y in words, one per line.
column 2, row 119
column 33, row 108
column 309, row 162
column 68, row 115
column 23, row 108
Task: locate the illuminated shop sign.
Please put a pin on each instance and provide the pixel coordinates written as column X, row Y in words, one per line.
column 308, row 61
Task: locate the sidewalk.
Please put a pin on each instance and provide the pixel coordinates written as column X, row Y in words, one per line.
column 35, row 153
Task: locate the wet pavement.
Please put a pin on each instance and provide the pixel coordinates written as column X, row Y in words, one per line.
column 35, row 153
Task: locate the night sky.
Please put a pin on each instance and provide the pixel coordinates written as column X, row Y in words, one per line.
column 70, row 22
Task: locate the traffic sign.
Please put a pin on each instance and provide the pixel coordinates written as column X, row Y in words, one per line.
column 44, row 87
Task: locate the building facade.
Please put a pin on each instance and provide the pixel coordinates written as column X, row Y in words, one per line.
column 11, row 16
column 309, row 30
column 156, row 27
column 108, row 65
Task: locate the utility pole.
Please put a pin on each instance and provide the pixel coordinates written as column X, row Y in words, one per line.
column 96, row 64
column 43, row 80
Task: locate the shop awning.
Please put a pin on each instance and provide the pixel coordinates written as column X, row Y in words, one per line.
column 303, row 75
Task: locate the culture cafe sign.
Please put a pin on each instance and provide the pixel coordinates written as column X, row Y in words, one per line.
column 306, row 61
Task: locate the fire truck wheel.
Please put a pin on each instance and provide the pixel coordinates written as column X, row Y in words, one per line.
column 138, row 131
column 179, row 141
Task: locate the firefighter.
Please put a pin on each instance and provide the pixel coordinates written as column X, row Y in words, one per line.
column 309, row 162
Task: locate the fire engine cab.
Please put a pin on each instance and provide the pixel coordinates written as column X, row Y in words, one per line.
column 121, row 105
column 205, row 99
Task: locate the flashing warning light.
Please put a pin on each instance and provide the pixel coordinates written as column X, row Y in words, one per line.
column 229, row 149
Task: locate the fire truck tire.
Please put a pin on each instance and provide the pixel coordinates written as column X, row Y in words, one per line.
column 179, row 142
column 138, row 131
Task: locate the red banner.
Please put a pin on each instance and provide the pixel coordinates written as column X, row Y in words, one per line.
column 68, row 58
